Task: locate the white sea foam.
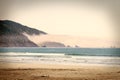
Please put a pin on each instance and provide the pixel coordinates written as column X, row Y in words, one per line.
column 52, row 54
column 57, row 58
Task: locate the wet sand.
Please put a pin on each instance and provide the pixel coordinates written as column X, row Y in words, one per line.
column 28, row 71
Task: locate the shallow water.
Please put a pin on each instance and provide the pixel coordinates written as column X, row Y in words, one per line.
column 109, row 56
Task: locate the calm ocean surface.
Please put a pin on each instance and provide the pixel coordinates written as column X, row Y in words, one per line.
column 109, row 56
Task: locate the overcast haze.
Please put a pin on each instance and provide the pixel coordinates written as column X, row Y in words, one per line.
column 86, row 18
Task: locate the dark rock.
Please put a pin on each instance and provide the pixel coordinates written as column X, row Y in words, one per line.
column 11, row 34
column 52, row 44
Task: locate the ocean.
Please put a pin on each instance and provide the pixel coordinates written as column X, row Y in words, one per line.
column 104, row 56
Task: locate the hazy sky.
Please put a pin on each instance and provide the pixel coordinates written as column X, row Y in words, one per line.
column 77, row 18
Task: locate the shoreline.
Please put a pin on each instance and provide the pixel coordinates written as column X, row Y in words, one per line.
column 35, row 65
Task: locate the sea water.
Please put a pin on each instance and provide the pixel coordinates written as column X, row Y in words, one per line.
column 109, row 56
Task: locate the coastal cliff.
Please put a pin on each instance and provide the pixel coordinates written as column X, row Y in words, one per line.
column 11, row 34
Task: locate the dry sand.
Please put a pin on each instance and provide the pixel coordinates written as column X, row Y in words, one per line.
column 29, row 71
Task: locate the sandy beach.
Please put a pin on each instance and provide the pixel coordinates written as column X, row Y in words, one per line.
column 35, row 71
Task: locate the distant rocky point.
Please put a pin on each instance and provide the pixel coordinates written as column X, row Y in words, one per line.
column 52, row 44
column 11, row 34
